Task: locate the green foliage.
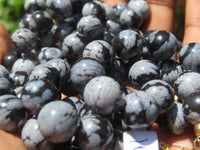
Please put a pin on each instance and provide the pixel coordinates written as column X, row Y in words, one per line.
column 11, row 12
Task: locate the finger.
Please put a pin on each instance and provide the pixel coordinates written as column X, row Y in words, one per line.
column 9, row 141
column 4, row 41
column 161, row 15
column 114, row 2
column 192, row 22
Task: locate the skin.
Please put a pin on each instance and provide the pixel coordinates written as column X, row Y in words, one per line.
column 161, row 18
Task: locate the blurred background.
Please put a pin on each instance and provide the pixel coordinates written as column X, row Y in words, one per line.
column 11, row 12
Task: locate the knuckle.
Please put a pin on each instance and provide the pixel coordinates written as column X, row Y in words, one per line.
column 193, row 23
column 166, row 3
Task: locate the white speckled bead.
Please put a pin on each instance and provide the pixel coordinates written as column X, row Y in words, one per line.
column 84, row 70
column 4, row 71
column 48, row 53
column 131, row 19
column 143, row 71
column 5, row 86
column 63, row 68
column 96, row 133
column 128, row 44
column 186, row 84
column 73, row 45
column 162, row 45
column 189, row 57
column 36, row 93
column 173, row 121
column 58, row 121
column 32, row 137
column 12, row 112
column 118, row 8
column 101, row 94
column 90, row 26
column 60, row 9
column 141, row 109
column 23, row 40
column 32, row 5
column 141, row 7
column 161, row 91
column 99, row 50
column 93, row 8
column 23, row 65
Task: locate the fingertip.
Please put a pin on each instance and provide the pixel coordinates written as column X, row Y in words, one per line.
column 161, row 15
column 114, row 2
column 192, row 22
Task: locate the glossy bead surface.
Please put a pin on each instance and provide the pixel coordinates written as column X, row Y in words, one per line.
column 63, row 68
column 130, row 19
column 61, row 29
column 48, row 53
column 4, row 72
column 113, row 26
column 118, row 8
column 189, row 57
column 36, row 93
column 33, row 5
column 99, row 50
column 143, row 71
column 73, row 45
column 173, row 121
column 23, row 65
column 5, row 86
column 84, row 70
column 42, row 21
column 90, row 26
column 32, row 137
column 162, row 45
column 77, row 102
column 23, row 40
column 58, row 121
column 140, row 110
column 26, row 21
column 128, row 44
column 45, row 71
column 109, row 11
column 171, row 70
column 96, row 133
column 46, row 40
column 118, row 71
column 140, row 7
column 162, row 93
column 9, row 59
column 12, row 113
column 93, row 8
column 101, row 94
column 191, row 107
column 187, row 84
column 59, row 9
column 19, row 78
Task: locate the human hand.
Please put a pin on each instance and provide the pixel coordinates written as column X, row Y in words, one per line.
column 161, row 18
column 4, row 41
column 8, row 141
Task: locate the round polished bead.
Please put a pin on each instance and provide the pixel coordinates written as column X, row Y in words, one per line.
column 101, row 94
column 189, row 57
column 58, row 121
column 162, row 45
